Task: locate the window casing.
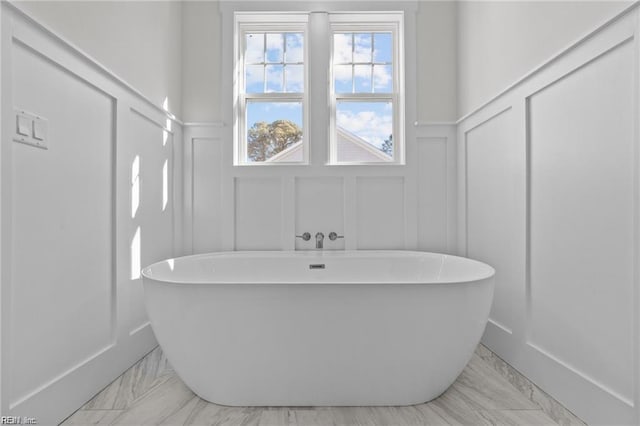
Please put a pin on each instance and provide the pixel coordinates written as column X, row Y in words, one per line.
column 377, row 109
column 276, row 80
column 371, row 106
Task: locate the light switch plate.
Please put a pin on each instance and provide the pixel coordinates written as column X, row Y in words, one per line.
column 31, row 129
column 39, row 129
column 23, row 125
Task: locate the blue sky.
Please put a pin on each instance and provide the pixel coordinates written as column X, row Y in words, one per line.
column 272, row 111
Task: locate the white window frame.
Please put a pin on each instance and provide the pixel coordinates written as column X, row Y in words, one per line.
column 317, row 78
column 265, row 22
column 370, row 22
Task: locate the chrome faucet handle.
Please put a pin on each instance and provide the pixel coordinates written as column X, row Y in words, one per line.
column 306, row 236
column 333, row 236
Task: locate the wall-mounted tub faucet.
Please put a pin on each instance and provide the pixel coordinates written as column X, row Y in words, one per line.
column 305, row 237
column 333, row 236
column 319, row 240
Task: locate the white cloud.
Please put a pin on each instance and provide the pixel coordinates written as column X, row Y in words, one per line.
column 295, row 78
column 274, row 74
column 254, row 48
column 342, row 48
column 361, row 53
column 295, row 47
column 275, row 47
column 342, row 72
column 381, row 75
column 371, row 126
column 362, row 48
column 275, row 41
column 254, row 74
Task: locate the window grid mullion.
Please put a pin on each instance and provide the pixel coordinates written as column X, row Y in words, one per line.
column 284, row 64
column 373, row 40
column 264, row 60
column 274, row 97
column 353, row 66
column 364, row 96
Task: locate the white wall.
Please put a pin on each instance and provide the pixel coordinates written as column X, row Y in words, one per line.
column 500, row 41
column 79, row 220
column 548, row 195
column 417, row 200
column 436, row 59
column 140, row 41
column 201, row 37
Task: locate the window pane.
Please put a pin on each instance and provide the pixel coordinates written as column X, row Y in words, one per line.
column 342, row 49
column 274, row 131
column 275, row 78
column 369, row 57
column 342, row 78
column 362, row 47
column 254, row 53
column 382, row 79
column 382, row 47
column 294, row 77
column 295, row 47
column 275, row 48
column 364, row 131
column 362, row 74
column 254, row 79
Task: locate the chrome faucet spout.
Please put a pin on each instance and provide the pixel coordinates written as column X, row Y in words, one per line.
column 319, row 240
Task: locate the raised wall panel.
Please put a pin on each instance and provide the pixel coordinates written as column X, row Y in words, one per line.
column 380, row 212
column 152, row 145
column 77, row 224
column 319, row 204
column 495, row 196
column 62, row 271
column 207, row 162
column 548, row 194
column 582, row 220
column 258, row 211
column 432, row 194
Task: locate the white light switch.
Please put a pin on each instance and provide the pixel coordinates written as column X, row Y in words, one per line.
column 39, row 129
column 23, row 125
column 31, row 129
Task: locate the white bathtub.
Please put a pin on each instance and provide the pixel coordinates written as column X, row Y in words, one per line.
column 369, row 328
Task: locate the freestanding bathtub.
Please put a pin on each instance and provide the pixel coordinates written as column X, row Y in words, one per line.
column 318, row 328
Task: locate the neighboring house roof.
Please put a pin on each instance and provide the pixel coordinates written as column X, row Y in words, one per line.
column 351, row 148
column 293, row 153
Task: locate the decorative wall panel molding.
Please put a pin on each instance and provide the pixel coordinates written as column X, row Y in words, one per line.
column 494, row 195
column 79, row 220
column 581, row 219
column 320, row 208
column 416, row 202
column 548, row 178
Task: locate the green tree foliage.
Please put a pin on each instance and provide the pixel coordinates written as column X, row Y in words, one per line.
column 387, row 146
column 267, row 139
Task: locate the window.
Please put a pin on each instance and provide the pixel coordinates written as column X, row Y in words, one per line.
column 366, row 88
column 362, row 106
column 272, row 81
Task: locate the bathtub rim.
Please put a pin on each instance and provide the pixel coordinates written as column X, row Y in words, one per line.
column 489, row 271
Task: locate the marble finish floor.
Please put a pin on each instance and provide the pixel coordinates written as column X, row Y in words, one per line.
column 486, row 393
